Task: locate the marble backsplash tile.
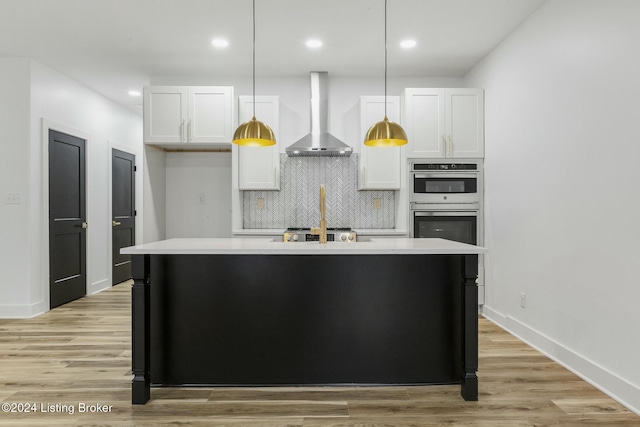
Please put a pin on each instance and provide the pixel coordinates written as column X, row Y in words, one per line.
column 297, row 202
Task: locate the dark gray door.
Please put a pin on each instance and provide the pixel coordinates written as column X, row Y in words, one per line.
column 67, row 219
column 124, row 212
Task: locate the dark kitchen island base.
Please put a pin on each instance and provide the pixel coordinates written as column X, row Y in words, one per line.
column 255, row 320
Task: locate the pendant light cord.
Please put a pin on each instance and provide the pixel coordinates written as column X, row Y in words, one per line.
column 254, row 58
column 385, row 58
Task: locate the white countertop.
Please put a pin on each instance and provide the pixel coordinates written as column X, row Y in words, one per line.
column 265, row 246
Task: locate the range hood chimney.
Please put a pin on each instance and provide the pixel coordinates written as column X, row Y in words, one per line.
column 319, row 142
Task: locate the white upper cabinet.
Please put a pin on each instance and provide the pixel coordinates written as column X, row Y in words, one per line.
column 446, row 123
column 464, row 115
column 259, row 167
column 165, row 112
column 210, row 114
column 379, row 166
column 423, row 121
column 188, row 114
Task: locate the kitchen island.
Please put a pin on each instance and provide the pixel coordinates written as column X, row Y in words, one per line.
column 255, row 312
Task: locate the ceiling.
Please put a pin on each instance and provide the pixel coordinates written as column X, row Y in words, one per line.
column 114, row 46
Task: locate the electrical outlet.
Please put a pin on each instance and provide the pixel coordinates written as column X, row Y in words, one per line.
column 13, row 198
column 523, row 299
column 260, row 203
column 377, row 203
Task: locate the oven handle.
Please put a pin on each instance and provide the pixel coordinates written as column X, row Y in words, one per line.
column 450, row 206
column 445, row 213
column 445, row 175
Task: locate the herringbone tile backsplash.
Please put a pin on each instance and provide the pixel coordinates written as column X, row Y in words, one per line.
column 297, row 202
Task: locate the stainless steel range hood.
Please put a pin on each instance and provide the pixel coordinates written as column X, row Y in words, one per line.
column 319, row 142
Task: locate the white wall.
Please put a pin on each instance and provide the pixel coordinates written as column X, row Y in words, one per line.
column 562, row 105
column 15, row 293
column 56, row 101
column 198, row 195
column 154, row 219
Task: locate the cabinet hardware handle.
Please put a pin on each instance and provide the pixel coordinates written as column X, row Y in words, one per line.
column 115, row 223
column 182, row 131
column 450, row 151
column 444, row 145
column 189, row 131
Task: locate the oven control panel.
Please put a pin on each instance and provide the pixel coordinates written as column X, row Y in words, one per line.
column 444, row 166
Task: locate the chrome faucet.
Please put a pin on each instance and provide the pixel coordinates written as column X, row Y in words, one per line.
column 322, row 230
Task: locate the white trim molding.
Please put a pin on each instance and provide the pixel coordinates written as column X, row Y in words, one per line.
column 609, row 383
column 23, row 311
column 96, row 287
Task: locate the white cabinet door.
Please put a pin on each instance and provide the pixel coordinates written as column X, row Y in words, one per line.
column 444, row 123
column 259, row 167
column 465, row 122
column 165, row 114
column 210, row 114
column 379, row 166
column 423, row 118
column 183, row 114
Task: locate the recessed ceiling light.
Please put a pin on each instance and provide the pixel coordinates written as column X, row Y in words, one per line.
column 314, row 43
column 408, row 44
column 220, row 43
column 134, row 93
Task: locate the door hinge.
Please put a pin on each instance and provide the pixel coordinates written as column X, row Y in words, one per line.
column 135, row 213
column 135, row 169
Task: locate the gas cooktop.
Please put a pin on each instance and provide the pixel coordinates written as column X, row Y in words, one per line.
column 340, row 234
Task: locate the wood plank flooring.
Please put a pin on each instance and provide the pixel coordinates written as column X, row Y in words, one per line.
column 80, row 354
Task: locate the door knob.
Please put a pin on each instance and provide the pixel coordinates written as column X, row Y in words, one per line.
column 85, row 225
column 115, row 223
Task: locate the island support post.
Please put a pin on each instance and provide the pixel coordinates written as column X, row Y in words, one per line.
column 469, row 388
column 140, row 327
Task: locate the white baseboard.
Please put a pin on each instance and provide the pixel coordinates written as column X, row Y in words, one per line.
column 98, row 286
column 23, row 311
column 32, row 310
column 609, row 383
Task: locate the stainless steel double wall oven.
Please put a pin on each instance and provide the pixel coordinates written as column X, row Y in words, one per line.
column 445, row 200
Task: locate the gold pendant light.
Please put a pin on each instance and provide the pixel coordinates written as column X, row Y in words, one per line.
column 385, row 133
column 254, row 133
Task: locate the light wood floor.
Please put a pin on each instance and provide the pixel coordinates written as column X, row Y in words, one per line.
column 80, row 353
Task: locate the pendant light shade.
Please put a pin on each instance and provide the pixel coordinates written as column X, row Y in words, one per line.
column 254, row 133
column 385, row 133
